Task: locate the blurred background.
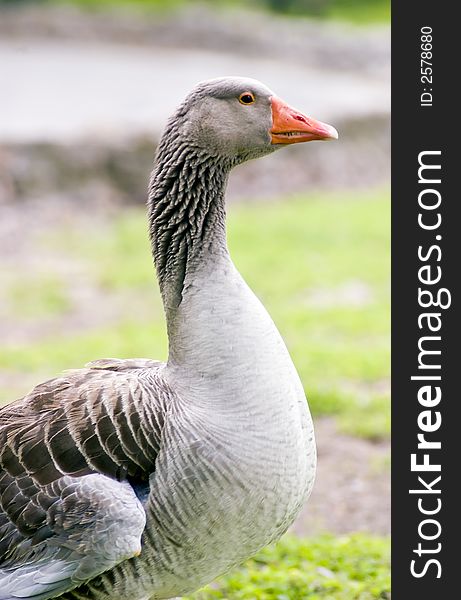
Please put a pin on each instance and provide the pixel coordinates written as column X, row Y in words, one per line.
column 85, row 89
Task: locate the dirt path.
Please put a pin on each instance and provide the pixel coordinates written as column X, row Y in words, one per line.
column 102, row 90
column 352, row 488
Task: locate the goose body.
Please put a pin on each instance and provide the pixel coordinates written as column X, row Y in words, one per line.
column 146, row 480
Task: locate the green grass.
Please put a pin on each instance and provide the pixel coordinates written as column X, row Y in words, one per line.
column 354, row 567
column 369, row 418
column 38, row 296
column 360, row 12
column 320, row 266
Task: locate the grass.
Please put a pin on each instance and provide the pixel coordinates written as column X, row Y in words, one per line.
column 361, row 12
column 321, row 267
column 354, row 567
column 38, row 296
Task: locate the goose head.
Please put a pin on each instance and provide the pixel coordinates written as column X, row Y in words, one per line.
column 221, row 123
column 239, row 118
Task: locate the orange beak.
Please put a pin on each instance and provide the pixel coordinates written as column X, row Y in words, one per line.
column 289, row 126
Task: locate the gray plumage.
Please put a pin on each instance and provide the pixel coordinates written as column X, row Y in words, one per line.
column 138, row 479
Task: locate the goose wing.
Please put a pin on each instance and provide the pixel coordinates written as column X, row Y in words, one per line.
column 92, row 524
column 74, row 454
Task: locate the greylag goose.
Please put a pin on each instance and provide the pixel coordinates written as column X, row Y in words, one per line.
column 137, row 479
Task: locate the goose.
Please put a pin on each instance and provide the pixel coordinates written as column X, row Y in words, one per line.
column 138, row 479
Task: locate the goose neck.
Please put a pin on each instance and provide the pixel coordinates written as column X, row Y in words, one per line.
column 186, row 217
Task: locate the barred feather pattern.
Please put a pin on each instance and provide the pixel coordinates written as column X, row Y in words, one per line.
column 186, row 214
column 104, row 419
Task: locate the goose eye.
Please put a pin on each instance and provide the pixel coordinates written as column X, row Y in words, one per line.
column 246, row 98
